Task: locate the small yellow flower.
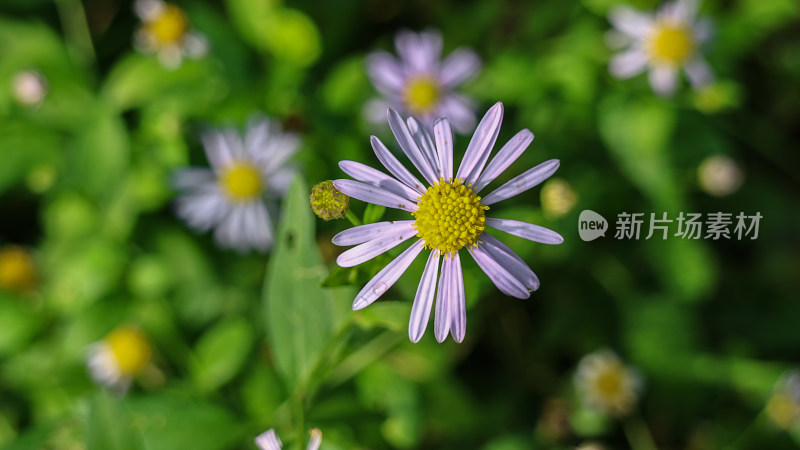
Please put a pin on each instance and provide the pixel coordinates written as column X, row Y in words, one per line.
column 783, row 407
column 119, row 357
column 327, row 202
column 719, row 175
column 606, row 384
column 17, row 271
column 558, row 197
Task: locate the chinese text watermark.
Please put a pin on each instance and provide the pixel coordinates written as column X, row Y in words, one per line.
column 635, row 226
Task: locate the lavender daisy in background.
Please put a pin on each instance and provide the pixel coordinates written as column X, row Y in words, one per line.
column 269, row 440
column 166, row 31
column 230, row 196
column 448, row 216
column 420, row 83
column 667, row 42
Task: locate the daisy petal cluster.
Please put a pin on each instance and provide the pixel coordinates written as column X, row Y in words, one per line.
column 666, row 42
column 119, row 357
column 606, row 384
column 447, row 216
column 419, row 83
column 269, row 440
column 166, row 31
column 229, row 197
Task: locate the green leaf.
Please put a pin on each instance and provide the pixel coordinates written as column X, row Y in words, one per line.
column 221, row 353
column 99, row 157
column 109, row 426
column 300, row 315
column 19, row 322
column 171, row 422
column 138, row 80
column 637, row 133
column 390, row 315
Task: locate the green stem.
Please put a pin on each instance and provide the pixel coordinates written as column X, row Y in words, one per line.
column 638, row 434
column 741, row 440
column 76, row 29
column 351, row 216
column 363, row 357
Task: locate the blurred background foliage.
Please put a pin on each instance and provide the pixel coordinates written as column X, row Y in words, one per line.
column 247, row 342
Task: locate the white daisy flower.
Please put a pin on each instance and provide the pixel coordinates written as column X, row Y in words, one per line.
column 166, row 31
column 420, row 83
column 606, row 384
column 448, row 216
column 120, row 356
column 269, row 440
column 230, row 196
column 666, row 42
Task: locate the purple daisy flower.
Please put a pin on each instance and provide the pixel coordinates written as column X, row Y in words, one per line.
column 448, row 216
column 420, row 83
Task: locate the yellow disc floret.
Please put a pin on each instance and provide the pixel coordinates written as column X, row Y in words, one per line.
column 131, row 350
column 450, row 217
column 670, row 44
column 422, row 94
column 17, row 272
column 169, row 27
column 241, row 181
column 609, row 382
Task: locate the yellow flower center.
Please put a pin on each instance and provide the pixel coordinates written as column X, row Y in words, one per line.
column 670, row 44
column 450, row 217
column 169, row 27
column 609, row 382
column 422, row 94
column 17, row 272
column 131, row 350
column 241, row 182
column 783, row 410
column 327, row 202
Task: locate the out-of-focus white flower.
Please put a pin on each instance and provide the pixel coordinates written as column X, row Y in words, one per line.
column 29, row 87
column 230, row 196
column 606, row 384
column 719, row 175
column 119, row 357
column 783, row 407
column 420, row 83
column 166, row 31
column 666, row 42
column 269, row 440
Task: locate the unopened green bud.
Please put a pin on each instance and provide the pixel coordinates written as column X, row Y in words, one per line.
column 327, row 202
